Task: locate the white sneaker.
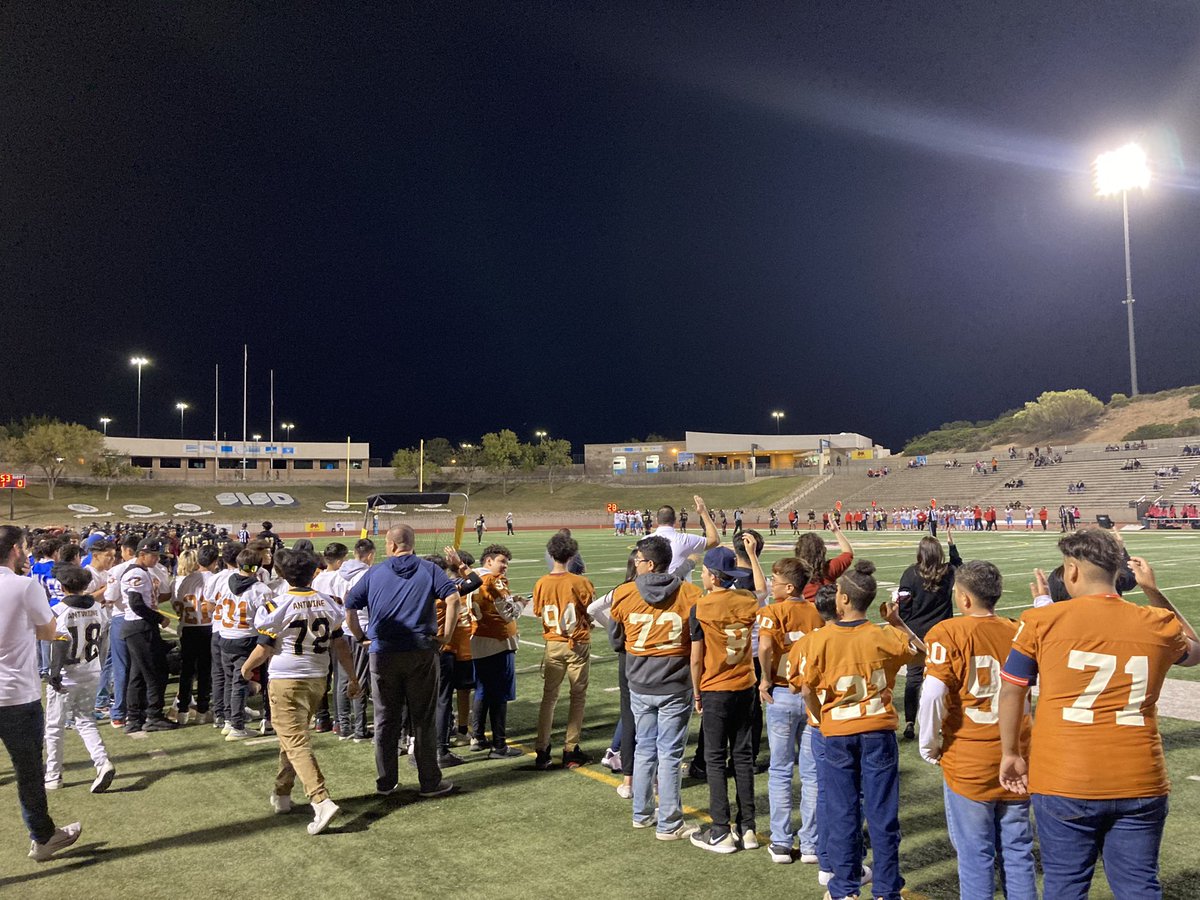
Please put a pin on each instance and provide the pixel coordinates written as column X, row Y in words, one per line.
column 60, row 840
column 104, row 777
column 53, row 784
column 809, row 858
column 266, row 727
column 749, row 840
column 322, row 813
column 625, row 791
column 228, row 727
column 612, row 760
column 237, row 734
column 823, row 877
column 281, row 803
column 683, row 831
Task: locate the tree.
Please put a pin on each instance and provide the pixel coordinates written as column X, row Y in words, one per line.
column 52, row 446
column 438, row 452
column 469, row 459
column 1057, row 411
column 502, row 454
column 110, row 467
column 406, row 463
column 554, row 454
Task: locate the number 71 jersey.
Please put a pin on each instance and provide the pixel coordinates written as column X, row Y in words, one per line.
column 1100, row 662
column 301, row 624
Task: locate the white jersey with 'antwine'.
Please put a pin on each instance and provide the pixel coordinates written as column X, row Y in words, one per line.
column 303, row 623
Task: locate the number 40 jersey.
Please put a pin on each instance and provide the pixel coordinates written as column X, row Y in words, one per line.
column 300, row 624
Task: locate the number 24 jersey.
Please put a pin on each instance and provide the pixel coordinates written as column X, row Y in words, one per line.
column 301, row 624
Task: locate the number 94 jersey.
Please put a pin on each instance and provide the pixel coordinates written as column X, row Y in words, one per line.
column 854, row 664
column 301, row 625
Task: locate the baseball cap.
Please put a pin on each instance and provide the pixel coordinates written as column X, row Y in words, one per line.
column 149, row 546
column 723, row 561
column 92, row 540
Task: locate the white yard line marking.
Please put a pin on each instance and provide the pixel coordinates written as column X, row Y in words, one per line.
column 532, row 644
column 256, row 742
column 157, row 754
column 613, row 690
column 1194, row 778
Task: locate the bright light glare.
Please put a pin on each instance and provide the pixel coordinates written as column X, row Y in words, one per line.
column 181, row 406
column 139, row 361
column 1121, row 170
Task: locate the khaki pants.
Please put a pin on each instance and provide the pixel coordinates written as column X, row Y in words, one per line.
column 294, row 701
column 572, row 662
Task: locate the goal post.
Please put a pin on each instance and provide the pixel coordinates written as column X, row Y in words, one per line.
column 436, row 519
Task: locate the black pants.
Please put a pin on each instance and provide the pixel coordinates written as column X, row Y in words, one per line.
column 445, row 699
column 628, row 725
column 756, row 726
column 234, row 653
column 933, row 528
column 195, row 661
column 147, row 672
column 401, row 680
column 726, row 720
column 510, row 528
column 493, row 679
column 217, row 674
column 913, row 680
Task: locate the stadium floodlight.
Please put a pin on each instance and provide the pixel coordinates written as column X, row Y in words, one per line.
column 104, row 420
column 540, row 435
column 287, row 427
column 1118, row 172
column 181, row 406
column 139, row 361
column 257, row 437
column 777, row 415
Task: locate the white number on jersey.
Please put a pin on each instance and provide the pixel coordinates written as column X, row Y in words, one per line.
column 1105, row 664
column 854, row 691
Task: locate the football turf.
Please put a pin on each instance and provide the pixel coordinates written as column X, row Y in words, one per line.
column 188, row 813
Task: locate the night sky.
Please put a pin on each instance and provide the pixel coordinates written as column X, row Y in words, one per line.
column 597, row 219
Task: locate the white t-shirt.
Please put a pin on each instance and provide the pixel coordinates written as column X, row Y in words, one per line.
column 682, row 545
column 189, row 594
column 330, row 583
column 136, row 580
column 235, row 619
column 303, row 623
column 22, row 608
column 112, row 593
column 83, row 628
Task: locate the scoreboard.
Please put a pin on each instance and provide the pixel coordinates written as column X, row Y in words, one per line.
column 11, row 481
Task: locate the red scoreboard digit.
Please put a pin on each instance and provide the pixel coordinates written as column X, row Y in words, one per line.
column 9, row 480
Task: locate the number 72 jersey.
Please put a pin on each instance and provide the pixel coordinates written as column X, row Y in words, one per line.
column 1100, row 662
column 300, row 625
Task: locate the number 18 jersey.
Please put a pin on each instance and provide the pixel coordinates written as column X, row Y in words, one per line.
column 301, row 624
column 82, row 626
column 854, row 664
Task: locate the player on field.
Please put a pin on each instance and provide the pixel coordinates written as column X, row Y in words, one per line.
column 214, row 596
column 723, row 689
column 449, row 672
column 195, row 630
column 650, row 615
column 297, row 632
column 960, row 732
column 787, row 619
column 494, row 650
column 74, row 673
column 244, row 595
column 1095, row 768
column 853, row 664
column 560, row 600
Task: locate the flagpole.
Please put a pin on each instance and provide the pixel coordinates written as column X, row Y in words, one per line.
column 216, row 420
column 245, row 369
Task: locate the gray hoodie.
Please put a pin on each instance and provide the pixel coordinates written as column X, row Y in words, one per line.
column 350, row 572
column 655, row 675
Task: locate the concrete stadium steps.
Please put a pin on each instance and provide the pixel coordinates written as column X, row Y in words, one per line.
column 910, row 487
column 1109, row 491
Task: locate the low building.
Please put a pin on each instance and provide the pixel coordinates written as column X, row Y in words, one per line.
column 215, row 461
column 710, row 450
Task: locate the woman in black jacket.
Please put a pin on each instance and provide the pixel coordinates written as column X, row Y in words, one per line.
column 926, row 597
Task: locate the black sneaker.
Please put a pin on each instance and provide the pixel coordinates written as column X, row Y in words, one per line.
column 543, row 760
column 573, row 759
column 909, row 732
column 698, row 771
column 160, row 725
column 503, row 751
column 133, row 727
column 706, row 839
column 448, row 759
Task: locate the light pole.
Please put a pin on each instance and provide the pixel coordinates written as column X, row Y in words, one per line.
column 139, row 361
column 541, row 436
column 181, row 406
column 104, row 420
column 287, row 427
column 1117, row 172
column 777, row 415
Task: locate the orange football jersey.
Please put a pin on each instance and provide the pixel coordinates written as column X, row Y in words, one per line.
column 854, row 665
column 781, row 625
column 488, row 622
column 655, row 629
column 725, row 618
column 560, row 600
column 965, row 654
column 1101, row 662
column 793, row 669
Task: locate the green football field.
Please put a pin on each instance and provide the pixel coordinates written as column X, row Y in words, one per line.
column 188, row 813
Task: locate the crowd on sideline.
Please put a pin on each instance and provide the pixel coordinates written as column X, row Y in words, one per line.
column 431, row 642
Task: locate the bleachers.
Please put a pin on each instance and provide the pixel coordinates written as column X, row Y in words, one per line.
column 1108, row 490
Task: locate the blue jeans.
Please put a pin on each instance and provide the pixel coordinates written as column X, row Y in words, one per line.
column 120, row 667
column 1074, row 832
column 982, row 831
column 786, row 720
column 816, row 746
column 104, row 693
column 661, row 722
column 862, row 774
column 22, row 730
